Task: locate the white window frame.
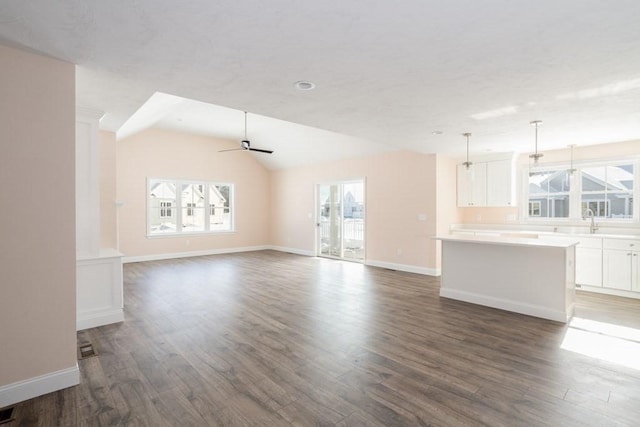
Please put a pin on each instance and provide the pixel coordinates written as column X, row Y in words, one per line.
column 177, row 208
column 575, row 192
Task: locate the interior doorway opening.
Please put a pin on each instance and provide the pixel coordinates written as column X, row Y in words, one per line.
column 341, row 220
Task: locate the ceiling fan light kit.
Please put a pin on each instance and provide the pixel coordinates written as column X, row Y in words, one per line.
column 245, row 144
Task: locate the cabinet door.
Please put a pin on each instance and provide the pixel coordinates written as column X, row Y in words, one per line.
column 588, row 266
column 472, row 185
column 635, row 273
column 464, row 186
column 617, row 266
column 499, row 183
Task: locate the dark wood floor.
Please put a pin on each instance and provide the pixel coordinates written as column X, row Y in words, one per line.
column 269, row 339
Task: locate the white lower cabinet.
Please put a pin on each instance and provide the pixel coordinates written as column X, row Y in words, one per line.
column 621, row 264
column 604, row 264
column 589, row 266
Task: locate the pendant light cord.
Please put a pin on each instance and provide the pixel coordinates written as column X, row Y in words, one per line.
column 535, row 156
column 467, row 164
column 245, row 125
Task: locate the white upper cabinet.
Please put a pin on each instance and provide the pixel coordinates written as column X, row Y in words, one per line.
column 472, row 185
column 487, row 183
column 500, row 188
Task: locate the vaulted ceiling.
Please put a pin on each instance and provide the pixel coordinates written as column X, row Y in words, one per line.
column 389, row 75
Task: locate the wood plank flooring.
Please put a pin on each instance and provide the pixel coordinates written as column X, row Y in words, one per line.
column 273, row 339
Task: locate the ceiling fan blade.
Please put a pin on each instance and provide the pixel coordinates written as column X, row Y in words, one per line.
column 231, row 149
column 260, row 150
column 245, row 144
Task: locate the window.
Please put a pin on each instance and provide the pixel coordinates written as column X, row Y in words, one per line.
column 602, row 190
column 607, row 191
column 534, row 208
column 549, row 190
column 189, row 207
column 165, row 209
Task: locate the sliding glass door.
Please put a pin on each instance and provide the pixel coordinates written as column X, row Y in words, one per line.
column 341, row 210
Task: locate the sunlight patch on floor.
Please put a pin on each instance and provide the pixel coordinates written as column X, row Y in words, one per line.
column 604, row 341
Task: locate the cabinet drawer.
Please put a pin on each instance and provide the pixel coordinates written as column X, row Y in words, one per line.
column 590, row 242
column 622, row 244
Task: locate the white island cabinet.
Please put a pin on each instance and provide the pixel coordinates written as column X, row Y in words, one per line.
column 528, row 276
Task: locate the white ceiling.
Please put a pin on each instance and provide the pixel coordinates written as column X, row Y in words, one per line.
column 387, row 74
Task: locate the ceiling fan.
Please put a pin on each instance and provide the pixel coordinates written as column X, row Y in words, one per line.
column 245, row 144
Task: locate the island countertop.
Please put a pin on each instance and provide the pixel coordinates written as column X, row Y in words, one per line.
column 556, row 242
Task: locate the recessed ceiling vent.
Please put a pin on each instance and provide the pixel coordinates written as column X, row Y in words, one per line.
column 304, row 85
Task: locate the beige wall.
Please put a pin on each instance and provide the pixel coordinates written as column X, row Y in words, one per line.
column 157, row 153
column 399, row 186
column 107, row 148
column 508, row 215
column 37, row 249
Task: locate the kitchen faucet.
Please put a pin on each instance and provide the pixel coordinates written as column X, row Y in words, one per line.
column 589, row 214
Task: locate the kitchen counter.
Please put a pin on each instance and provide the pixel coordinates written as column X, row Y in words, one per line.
column 524, row 275
column 540, row 231
column 512, row 240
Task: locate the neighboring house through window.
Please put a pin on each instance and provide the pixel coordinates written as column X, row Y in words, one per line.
column 178, row 206
column 534, row 208
column 165, row 209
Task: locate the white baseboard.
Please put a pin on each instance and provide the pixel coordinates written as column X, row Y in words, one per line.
column 292, row 250
column 508, row 305
column 37, row 386
column 158, row 257
column 405, row 267
column 99, row 318
column 303, row 252
column 608, row 291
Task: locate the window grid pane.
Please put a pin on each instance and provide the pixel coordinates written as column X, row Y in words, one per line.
column 607, row 191
column 549, row 194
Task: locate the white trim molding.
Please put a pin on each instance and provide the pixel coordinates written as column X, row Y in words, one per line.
column 37, row 386
column 97, row 318
column 303, row 252
column 158, row 257
column 405, row 267
column 508, row 305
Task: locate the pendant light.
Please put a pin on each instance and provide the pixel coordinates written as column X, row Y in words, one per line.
column 536, row 156
column 467, row 164
column 571, row 168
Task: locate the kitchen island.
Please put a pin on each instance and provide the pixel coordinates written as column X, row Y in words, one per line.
column 524, row 275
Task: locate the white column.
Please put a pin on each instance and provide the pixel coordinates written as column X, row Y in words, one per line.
column 87, row 183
